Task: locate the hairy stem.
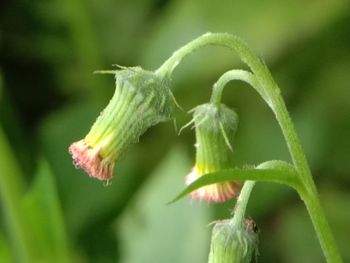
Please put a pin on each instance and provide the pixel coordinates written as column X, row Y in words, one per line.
column 270, row 92
column 307, row 187
column 235, row 74
column 242, row 202
column 308, row 191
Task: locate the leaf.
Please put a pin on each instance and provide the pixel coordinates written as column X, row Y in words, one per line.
column 271, row 171
column 43, row 210
column 11, row 192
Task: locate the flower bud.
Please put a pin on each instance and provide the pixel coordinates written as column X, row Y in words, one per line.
column 232, row 243
column 215, row 128
column 141, row 100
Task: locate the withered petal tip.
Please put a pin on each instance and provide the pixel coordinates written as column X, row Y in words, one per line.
column 88, row 159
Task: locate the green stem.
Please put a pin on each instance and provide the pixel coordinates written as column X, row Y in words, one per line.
column 11, row 192
column 235, row 74
column 321, row 225
column 242, row 202
column 271, row 94
column 307, row 191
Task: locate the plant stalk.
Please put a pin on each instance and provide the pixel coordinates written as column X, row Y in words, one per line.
column 270, row 92
column 242, row 201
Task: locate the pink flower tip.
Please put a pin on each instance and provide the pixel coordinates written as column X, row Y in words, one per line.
column 214, row 193
column 89, row 159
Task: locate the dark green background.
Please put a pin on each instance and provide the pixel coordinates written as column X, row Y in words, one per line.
column 50, row 98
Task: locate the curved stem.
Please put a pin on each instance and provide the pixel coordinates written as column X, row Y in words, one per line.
column 268, row 88
column 271, row 94
column 235, row 74
column 242, row 202
column 307, row 190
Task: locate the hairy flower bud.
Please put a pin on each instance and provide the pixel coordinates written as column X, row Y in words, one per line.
column 215, row 128
column 141, row 100
column 233, row 243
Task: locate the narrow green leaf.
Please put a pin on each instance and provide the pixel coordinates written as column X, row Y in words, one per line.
column 42, row 207
column 272, row 171
column 11, row 192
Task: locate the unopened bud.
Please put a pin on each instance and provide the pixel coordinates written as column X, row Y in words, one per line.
column 232, row 243
column 215, row 128
column 141, row 100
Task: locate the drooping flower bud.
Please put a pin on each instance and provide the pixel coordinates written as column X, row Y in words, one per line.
column 233, row 243
column 141, row 100
column 215, row 128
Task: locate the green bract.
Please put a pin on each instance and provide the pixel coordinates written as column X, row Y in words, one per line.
column 141, row 100
column 233, row 243
column 215, row 129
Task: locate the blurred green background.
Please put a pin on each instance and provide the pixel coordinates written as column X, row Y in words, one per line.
column 50, row 98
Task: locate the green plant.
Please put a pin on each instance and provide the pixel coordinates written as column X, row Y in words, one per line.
column 296, row 175
column 299, row 176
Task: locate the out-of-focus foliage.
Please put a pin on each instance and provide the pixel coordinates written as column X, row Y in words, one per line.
column 49, row 98
column 147, row 223
column 42, row 210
